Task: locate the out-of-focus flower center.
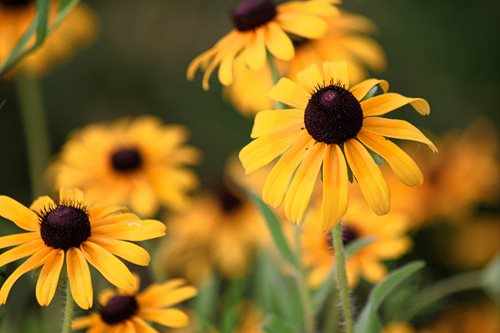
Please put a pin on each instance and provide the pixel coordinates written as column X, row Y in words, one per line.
column 126, row 160
column 119, row 309
column 251, row 14
column 333, row 115
column 65, row 227
column 15, row 3
column 228, row 200
column 349, row 235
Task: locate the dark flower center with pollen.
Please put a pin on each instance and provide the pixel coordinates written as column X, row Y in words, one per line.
column 126, row 160
column 119, row 309
column 251, row 14
column 333, row 115
column 65, row 227
column 15, row 3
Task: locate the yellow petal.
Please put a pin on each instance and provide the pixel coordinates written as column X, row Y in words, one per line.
column 278, row 43
column 361, row 89
column 278, row 180
column 368, row 176
column 105, row 296
column 299, row 194
column 385, row 103
column 111, row 219
column 290, row 93
column 366, row 50
column 169, row 297
column 22, row 216
column 13, row 240
column 125, row 250
column 319, row 8
column 46, row 285
column 304, row 25
column 102, row 211
column 36, row 260
column 70, row 195
column 150, row 294
column 310, row 78
column 263, row 150
column 133, row 230
column 165, row 317
column 108, row 265
column 199, row 61
column 335, row 185
column 21, row 251
column 79, row 278
column 42, row 204
column 267, row 122
column 82, row 322
column 143, row 199
column 373, row 270
column 403, row 165
column 226, row 64
column 336, row 73
column 141, row 326
column 255, row 53
column 397, row 129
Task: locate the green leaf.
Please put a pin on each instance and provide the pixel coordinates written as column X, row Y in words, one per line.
column 490, row 277
column 368, row 321
column 42, row 9
column 273, row 324
column 274, row 226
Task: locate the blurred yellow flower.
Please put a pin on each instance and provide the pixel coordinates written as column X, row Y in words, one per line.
column 389, row 242
column 138, row 162
column 346, row 40
column 81, row 233
column 260, row 26
column 325, row 125
column 76, row 31
column 222, row 232
column 397, row 327
column 127, row 311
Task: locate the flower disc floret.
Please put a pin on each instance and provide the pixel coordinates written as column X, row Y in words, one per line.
column 119, row 308
column 126, row 160
column 65, row 227
column 251, row 14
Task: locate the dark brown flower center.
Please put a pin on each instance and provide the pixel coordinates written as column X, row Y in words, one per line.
column 333, row 115
column 251, row 14
column 119, row 309
column 349, row 235
column 65, row 226
column 126, row 160
column 15, row 3
column 228, row 200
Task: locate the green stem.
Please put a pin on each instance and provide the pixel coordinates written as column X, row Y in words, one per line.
column 35, row 129
column 275, row 75
column 300, row 280
column 332, row 317
column 342, row 284
column 68, row 310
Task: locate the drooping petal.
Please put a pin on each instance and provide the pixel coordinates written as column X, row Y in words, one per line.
column 278, row 180
column 263, row 150
column 226, row 64
column 255, row 53
column 170, row 297
column 310, row 78
column 403, row 165
column 267, row 122
column 361, row 89
column 278, row 43
column 36, row 260
column 21, row 251
column 108, row 265
column 385, row 103
column 80, row 282
column 304, row 25
column 397, row 129
column 336, row 73
column 46, row 285
column 335, row 185
column 13, row 240
column 125, row 250
column 42, row 204
column 299, row 194
column 13, row 211
column 290, row 93
column 165, row 317
column 368, row 176
column 132, row 230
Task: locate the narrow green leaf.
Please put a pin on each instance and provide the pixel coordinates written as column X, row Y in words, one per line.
column 42, row 20
column 368, row 321
column 233, row 296
column 273, row 324
column 274, row 226
column 205, row 303
column 358, row 245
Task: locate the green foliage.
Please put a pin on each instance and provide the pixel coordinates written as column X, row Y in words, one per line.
column 273, row 324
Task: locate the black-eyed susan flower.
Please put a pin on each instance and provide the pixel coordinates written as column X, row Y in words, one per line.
column 389, row 242
column 129, row 311
column 139, row 163
column 347, row 39
column 71, row 231
column 260, row 25
column 76, row 31
column 330, row 122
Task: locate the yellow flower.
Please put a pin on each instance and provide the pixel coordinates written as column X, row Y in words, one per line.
column 81, row 233
column 76, row 31
column 138, row 163
column 260, row 25
column 127, row 311
column 222, row 232
column 346, row 40
column 397, row 327
column 389, row 242
column 328, row 121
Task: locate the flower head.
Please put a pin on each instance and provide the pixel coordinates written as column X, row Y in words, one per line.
column 138, row 163
column 127, row 310
column 260, row 25
column 330, row 120
column 72, row 230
